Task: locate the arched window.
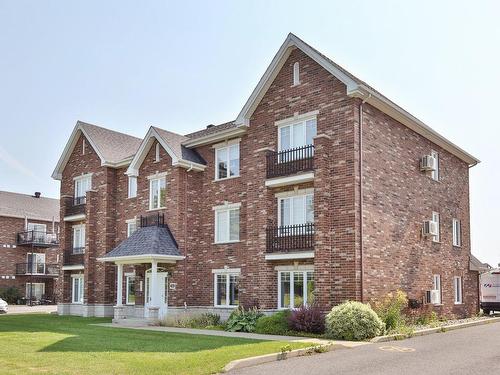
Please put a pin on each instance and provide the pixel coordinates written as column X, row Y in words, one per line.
column 157, row 152
column 296, row 71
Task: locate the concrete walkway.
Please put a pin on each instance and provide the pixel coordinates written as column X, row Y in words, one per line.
column 253, row 336
column 23, row 309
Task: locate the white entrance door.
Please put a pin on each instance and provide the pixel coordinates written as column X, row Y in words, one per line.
column 162, row 290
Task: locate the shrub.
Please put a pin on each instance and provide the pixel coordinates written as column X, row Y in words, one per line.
column 353, row 321
column 242, row 320
column 206, row 320
column 427, row 318
column 391, row 308
column 308, row 319
column 11, row 295
column 276, row 324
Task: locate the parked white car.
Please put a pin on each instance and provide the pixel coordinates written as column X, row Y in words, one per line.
column 4, row 307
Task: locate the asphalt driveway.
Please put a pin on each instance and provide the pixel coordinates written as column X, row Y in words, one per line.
column 474, row 350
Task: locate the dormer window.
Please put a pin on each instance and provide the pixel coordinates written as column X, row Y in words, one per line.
column 296, row 74
column 157, row 152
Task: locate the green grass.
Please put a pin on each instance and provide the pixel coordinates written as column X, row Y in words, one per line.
column 51, row 344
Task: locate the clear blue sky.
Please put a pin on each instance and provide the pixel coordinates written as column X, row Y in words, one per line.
column 128, row 64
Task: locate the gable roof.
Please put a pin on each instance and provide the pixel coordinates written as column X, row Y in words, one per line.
column 23, row 205
column 355, row 88
column 172, row 144
column 152, row 240
column 113, row 148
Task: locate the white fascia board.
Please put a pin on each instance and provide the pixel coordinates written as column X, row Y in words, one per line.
column 399, row 114
column 78, row 217
column 285, row 256
column 146, row 258
column 190, row 165
column 212, row 138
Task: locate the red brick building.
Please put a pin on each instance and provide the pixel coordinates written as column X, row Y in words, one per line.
column 321, row 190
column 29, row 243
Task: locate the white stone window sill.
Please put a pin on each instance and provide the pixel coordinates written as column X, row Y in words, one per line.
column 224, row 243
column 438, row 304
column 77, row 303
column 458, row 303
column 155, row 209
column 225, row 179
column 225, row 306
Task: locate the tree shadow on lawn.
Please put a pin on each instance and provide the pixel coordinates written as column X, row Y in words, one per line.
column 85, row 337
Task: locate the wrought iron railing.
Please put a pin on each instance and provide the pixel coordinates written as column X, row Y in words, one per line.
column 290, row 237
column 71, row 258
column 74, row 205
column 37, row 238
column 287, row 162
column 157, row 220
column 37, row 269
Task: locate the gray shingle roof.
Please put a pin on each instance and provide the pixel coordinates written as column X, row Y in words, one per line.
column 154, row 240
column 211, row 130
column 175, row 140
column 21, row 205
column 113, row 146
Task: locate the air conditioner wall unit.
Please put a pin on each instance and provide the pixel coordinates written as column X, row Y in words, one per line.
column 435, row 297
column 428, row 163
column 430, row 228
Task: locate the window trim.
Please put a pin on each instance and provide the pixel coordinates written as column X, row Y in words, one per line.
column 152, row 179
column 302, row 271
column 30, row 254
column 437, row 239
column 29, row 285
column 437, row 277
column 435, row 174
column 304, row 194
column 81, row 288
column 226, row 146
column 132, row 193
column 228, row 273
column 128, row 222
column 226, row 211
column 299, row 119
column 456, row 232
column 80, row 227
column 79, row 179
column 458, row 301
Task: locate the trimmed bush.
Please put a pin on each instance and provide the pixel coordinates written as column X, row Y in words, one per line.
column 11, row 295
column 353, row 321
column 276, row 324
column 390, row 309
column 242, row 320
column 308, row 319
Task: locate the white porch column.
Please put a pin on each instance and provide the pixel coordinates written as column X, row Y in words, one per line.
column 119, row 285
column 154, row 283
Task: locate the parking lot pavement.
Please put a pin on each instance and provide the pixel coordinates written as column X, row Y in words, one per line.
column 474, row 350
column 23, row 309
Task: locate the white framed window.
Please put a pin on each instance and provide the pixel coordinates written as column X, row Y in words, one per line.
column 227, row 223
column 436, row 285
column 295, row 288
column 77, row 289
column 132, row 186
column 130, row 294
column 227, row 161
column 457, row 287
column 296, row 74
column 35, row 263
column 37, row 232
column 457, row 233
column 157, row 192
column 226, row 288
column 35, row 291
column 297, row 134
column 157, row 152
column 131, row 226
column 435, row 172
column 435, row 218
column 296, row 210
column 79, row 239
column 82, row 185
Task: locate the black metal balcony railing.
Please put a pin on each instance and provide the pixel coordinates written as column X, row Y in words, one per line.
column 157, row 220
column 40, row 269
column 74, row 205
column 290, row 237
column 287, row 162
column 78, row 250
column 37, row 238
column 71, row 258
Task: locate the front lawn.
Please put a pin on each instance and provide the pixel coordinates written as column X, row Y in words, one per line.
column 51, row 344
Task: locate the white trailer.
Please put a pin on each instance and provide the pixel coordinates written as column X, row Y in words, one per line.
column 490, row 291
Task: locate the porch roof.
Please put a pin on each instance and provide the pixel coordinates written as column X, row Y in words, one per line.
column 147, row 243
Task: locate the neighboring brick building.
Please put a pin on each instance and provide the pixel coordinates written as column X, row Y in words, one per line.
column 288, row 204
column 29, row 243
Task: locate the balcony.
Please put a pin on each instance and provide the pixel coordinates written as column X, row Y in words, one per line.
column 283, row 164
column 37, row 269
column 74, row 256
column 37, row 238
column 74, row 207
column 290, row 239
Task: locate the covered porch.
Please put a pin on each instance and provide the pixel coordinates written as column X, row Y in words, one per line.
column 151, row 251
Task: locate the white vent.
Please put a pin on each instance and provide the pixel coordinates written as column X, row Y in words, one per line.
column 435, row 297
column 428, row 163
column 430, row 228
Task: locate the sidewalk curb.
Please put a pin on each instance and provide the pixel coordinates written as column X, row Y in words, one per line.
column 254, row 361
column 429, row 331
